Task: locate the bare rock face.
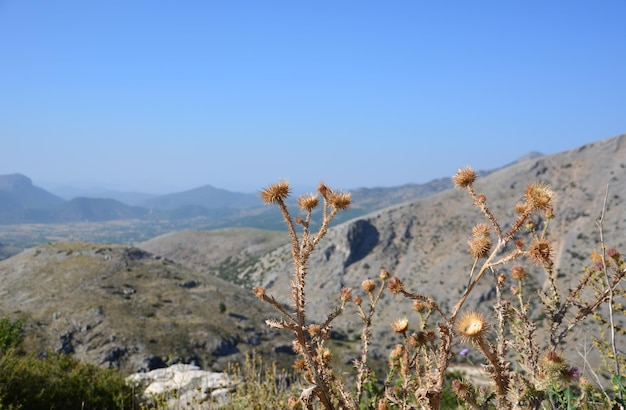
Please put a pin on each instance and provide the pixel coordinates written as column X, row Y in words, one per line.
column 184, row 386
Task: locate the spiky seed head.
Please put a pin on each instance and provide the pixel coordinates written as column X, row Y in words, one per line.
column 481, row 230
column 296, row 346
column 368, row 285
column 326, row 355
column 540, row 252
column 538, row 195
column 521, row 208
column 400, row 325
column 300, row 364
column 395, row 285
column 346, row 295
column 276, row 193
column 382, row 404
column 396, row 352
column 313, row 329
column 460, row 389
column 464, row 177
column 518, row 272
column 472, row 326
column 419, row 306
column 308, row 202
column 383, row 274
column 340, row 200
column 418, row 338
column 479, row 246
column 358, row 300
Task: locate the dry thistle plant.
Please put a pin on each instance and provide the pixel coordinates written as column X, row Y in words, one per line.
column 525, row 370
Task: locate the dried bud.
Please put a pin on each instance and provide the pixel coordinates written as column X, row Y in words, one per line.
column 323, row 190
column 472, row 326
column 480, row 199
column 259, row 292
column 326, row 355
column 396, row 352
column 501, row 279
column 384, row 274
column 519, row 244
column 596, row 258
column 549, row 213
column 308, row 202
column 357, row 300
column 480, row 230
column 522, row 208
column 368, row 285
column 382, row 404
column 313, row 329
column 400, row 325
column 299, row 220
column 540, row 253
column 395, row 285
column 460, row 389
column 346, row 295
column 538, row 196
column 300, row 364
column 464, row 177
column 419, row 306
column 275, row 193
column 613, row 253
column 518, row 272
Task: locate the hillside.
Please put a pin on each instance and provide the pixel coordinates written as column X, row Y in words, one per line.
column 424, row 241
column 119, row 306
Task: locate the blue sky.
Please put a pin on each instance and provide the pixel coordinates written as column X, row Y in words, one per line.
column 162, row 96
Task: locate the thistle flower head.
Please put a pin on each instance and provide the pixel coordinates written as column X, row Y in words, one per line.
column 400, row 325
column 518, row 272
column 259, row 292
column 395, row 285
column 340, row 200
column 276, row 193
column 464, row 177
column 368, row 285
column 308, row 202
column 538, row 195
column 481, row 230
column 346, row 295
column 472, row 326
column 479, row 246
column 540, row 252
column 383, row 274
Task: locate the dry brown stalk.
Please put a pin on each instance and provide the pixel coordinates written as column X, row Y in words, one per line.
column 418, row 366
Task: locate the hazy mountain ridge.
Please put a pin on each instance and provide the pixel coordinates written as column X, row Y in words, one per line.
column 22, row 202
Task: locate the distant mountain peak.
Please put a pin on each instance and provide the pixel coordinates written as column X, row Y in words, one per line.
column 530, row 155
column 13, row 182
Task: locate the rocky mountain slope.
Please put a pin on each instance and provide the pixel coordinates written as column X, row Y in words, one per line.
column 119, row 306
column 424, row 242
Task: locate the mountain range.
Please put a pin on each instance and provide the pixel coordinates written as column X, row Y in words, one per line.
column 121, row 305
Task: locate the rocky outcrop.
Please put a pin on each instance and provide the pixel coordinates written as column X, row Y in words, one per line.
column 184, row 386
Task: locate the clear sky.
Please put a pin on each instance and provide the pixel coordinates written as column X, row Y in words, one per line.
column 163, row 96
